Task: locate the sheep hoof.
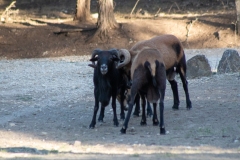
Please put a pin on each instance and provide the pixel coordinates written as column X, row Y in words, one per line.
column 123, row 131
column 175, row 107
column 136, row 114
column 189, row 106
column 155, row 122
column 122, row 116
column 91, row 126
column 101, row 121
column 143, row 123
column 162, row 131
column 116, row 124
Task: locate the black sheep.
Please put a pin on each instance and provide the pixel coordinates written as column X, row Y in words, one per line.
column 108, row 83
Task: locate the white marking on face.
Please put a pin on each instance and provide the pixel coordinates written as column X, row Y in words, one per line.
column 104, row 69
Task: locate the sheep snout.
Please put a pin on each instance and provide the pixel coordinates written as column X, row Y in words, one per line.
column 104, row 69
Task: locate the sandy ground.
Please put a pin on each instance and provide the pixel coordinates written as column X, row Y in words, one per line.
column 47, row 106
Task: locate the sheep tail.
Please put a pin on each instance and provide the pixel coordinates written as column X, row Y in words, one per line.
column 152, row 69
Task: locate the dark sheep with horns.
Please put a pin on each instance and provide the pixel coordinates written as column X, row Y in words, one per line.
column 108, row 83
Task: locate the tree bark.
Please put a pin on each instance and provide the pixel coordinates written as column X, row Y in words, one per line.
column 82, row 13
column 106, row 19
column 238, row 16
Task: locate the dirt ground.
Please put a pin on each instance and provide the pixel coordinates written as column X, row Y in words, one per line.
column 47, row 104
column 28, row 32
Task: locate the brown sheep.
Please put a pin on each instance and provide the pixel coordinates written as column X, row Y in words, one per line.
column 148, row 76
column 173, row 57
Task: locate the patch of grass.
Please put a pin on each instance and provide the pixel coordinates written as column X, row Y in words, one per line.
column 135, row 155
column 24, row 98
column 223, row 132
column 189, row 134
column 170, row 155
column 53, row 151
column 202, row 131
column 3, row 150
column 205, row 131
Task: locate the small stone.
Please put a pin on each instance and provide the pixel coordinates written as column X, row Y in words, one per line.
column 44, row 133
column 236, row 141
column 77, row 143
column 45, row 53
column 12, row 124
column 132, row 129
column 13, row 30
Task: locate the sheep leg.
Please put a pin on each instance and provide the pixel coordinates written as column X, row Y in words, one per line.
column 185, row 87
column 101, row 115
column 175, row 94
column 161, row 109
column 122, row 113
column 144, row 119
column 182, row 72
column 96, row 107
column 122, row 99
column 149, row 110
column 131, row 103
column 155, row 118
column 115, row 120
column 137, row 106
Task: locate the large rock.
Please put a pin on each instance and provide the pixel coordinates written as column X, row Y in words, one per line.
column 230, row 62
column 198, row 66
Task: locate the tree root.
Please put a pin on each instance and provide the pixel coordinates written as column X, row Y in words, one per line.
column 73, row 30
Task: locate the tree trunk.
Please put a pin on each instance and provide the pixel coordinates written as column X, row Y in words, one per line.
column 238, row 16
column 106, row 19
column 82, row 13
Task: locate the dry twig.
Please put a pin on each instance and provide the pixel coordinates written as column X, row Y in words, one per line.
column 134, row 7
column 5, row 13
column 172, row 6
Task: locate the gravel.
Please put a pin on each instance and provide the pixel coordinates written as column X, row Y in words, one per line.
column 49, row 102
column 27, row 83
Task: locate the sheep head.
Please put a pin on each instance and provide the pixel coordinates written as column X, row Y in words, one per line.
column 105, row 59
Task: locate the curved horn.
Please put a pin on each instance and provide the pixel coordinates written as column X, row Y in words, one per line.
column 126, row 58
column 94, row 54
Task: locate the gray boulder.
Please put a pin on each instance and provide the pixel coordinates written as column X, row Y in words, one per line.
column 230, row 62
column 198, row 66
